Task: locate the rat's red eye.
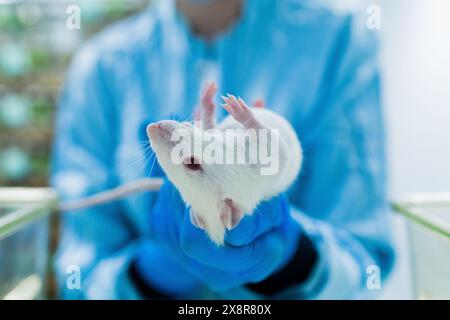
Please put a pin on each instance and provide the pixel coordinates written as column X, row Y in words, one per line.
column 192, row 164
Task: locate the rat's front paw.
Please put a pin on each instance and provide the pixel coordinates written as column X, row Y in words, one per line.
column 208, row 108
column 215, row 224
column 238, row 109
column 207, row 98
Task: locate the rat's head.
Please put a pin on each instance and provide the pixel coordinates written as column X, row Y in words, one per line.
column 179, row 151
column 217, row 192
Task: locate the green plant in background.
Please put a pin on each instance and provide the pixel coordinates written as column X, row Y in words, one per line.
column 40, row 59
column 8, row 19
column 42, row 112
column 115, row 9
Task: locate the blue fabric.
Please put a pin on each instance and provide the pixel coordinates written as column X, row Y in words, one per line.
column 315, row 67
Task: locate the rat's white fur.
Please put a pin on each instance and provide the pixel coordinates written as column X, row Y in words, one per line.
column 207, row 190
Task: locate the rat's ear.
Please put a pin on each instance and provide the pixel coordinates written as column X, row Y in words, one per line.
column 231, row 214
column 259, row 103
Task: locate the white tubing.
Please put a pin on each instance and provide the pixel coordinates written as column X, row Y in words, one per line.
column 136, row 186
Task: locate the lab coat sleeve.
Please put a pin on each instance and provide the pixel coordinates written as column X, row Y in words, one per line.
column 96, row 244
column 340, row 200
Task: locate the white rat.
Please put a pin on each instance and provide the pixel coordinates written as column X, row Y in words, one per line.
column 219, row 194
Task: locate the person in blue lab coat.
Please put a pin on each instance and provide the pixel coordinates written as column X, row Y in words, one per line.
column 316, row 67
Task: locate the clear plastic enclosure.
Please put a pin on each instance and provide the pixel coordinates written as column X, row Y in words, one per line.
column 428, row 217
column 24, row 242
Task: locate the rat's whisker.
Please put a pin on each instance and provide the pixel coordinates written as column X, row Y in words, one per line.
column 144, row 143
column 142, row 156
column 153, row 164
column 148, row 149
column 140, row 161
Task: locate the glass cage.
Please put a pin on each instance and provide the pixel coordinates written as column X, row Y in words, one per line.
column 428, row 217
column 24, row 241
column 25, row 252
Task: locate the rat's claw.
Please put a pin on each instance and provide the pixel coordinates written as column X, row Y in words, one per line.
column 226, row 218
column 242, row 104
column 226, row 107
column 227, row 101
column 235, row 102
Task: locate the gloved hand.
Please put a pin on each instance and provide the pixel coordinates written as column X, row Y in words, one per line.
column 258, row 246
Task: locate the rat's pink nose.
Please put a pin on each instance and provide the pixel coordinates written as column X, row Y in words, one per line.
column 153, row 128
column 162, row 129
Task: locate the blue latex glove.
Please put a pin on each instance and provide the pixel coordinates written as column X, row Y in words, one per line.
column 164, row 272
column 258, row 246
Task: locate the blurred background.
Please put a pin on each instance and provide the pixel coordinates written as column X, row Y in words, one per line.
column 36, row 46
